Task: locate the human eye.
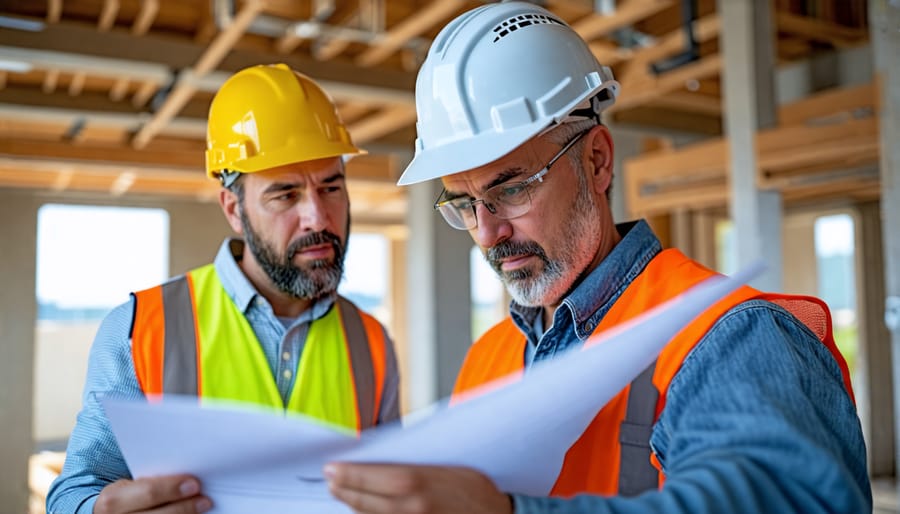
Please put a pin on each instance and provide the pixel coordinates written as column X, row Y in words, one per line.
column 514, row 193
column 461, row 204
column 286, row 196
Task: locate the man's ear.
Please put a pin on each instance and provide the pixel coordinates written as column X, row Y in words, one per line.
column 230, row 204
column 598, row 158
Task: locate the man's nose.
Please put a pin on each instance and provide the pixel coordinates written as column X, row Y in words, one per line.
column 491, row 229
column 312, row 212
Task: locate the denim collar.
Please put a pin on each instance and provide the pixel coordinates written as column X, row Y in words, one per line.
column 242, row 292
column 598, row 291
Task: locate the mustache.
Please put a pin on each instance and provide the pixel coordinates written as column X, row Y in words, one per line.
column 506, row 249
column 314, row 239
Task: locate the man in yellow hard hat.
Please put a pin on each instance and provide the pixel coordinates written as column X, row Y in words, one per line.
column 253, row 325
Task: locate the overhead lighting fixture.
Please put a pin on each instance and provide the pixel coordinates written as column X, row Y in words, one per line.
column 9, row 22
column 14, row 66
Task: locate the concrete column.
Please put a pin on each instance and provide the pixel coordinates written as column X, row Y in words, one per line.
column 747, row 41
column 440, row 305
column 874, row 396
column 399, row 305
column 17, row 322
column 884, row 22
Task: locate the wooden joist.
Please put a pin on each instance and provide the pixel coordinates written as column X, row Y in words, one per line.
column 652, row 87
column 820, row 30
column 145, row 17
column 791, row 158
column 627, row 13
column 183, row 91
column 431, row 15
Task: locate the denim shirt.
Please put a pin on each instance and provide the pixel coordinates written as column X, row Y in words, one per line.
column 756, row 420
column 93, row 459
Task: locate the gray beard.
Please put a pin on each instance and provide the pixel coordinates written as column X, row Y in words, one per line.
column 547, row 286
column 525, row 286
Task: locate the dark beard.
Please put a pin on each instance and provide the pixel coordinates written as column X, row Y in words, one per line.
column 308, row 282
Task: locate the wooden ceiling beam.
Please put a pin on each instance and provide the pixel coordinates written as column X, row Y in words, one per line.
column 54, row 11
column 637, row 67
column 123, row 183
column 609, row 54
column 667, row 118
column 143, row 94
column 51, row 78
column 326, row 48
column 353, row 110
column 108, row 15
column 692, row 102
column 820, row 30
column 827, row 103
column 119, row 89
column 77, row 83
column 375, row 169
column 145, row 18
column 381, row 123
column 424, row 19
column 641, row 92
column 63, row 179
column 102, row 155
column 287, row 43
column 175, row 53
column 183, row 91
column 628, row 12
column 788, row 157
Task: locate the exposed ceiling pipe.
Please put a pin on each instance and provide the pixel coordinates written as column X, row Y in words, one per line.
column 313, row 28
column 625, row 37
column 692, row 52
column 605, row 7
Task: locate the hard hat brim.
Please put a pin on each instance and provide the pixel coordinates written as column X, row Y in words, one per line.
column 285, row 156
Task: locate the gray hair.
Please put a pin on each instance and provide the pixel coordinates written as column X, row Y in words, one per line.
column 563, row 133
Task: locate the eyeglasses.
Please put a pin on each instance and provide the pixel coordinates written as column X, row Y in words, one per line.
column 505, row 201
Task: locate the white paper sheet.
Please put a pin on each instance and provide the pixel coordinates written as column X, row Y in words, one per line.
column 250, row 460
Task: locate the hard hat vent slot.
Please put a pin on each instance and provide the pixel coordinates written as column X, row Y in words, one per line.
column 510, row 25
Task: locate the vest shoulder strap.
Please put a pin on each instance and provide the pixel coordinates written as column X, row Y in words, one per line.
column 366, row 347
column 636, row 472
column 164, row 338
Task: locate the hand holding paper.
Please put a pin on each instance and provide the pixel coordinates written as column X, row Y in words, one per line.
column 281, row 471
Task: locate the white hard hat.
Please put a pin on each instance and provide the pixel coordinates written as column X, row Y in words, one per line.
column 495, row 77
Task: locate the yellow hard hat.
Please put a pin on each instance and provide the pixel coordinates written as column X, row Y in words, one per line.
column 268, row 116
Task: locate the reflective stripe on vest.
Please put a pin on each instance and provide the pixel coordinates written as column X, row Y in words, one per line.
column 636, row 472
column 340, row 375
column 599, row 462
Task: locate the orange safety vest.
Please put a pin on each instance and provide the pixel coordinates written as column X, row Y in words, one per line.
column 604, row 456
column 189, row 338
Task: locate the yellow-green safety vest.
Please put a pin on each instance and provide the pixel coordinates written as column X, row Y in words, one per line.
column 189, row 338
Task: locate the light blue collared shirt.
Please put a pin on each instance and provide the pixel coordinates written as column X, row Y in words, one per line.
column 93, row 458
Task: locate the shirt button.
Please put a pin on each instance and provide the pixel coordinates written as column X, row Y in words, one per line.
column 286, row 374
column 286, row 356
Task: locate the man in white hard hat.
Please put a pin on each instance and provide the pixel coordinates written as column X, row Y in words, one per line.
column 263, row 324
column 748, row 409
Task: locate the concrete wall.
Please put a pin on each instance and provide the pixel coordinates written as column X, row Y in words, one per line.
column 17, row 313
